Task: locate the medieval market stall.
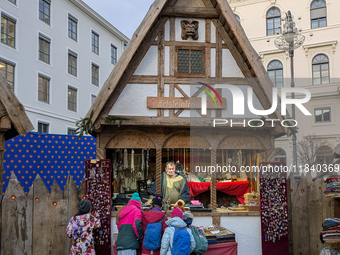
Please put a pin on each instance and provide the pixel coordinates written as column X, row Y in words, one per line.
column 164, row 101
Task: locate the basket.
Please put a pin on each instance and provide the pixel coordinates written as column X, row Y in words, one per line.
column 252, row 207
column 251, row 198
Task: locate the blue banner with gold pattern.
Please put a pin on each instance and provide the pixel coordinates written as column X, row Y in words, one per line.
column 53, row 156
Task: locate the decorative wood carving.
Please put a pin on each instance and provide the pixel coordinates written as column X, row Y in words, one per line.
column 189, row 29
column 246, row 142
column 130, row 140
column 186, row 140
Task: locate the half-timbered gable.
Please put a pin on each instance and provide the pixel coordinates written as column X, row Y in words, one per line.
column 178, row 44
column 181, row 48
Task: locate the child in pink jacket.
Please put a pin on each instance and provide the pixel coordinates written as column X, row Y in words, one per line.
column 130, row 227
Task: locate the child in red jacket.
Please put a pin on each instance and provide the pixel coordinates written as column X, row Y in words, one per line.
column 152, row 216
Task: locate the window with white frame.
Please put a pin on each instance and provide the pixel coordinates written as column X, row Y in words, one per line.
column 95, row 74
column 318, row 14
column 71, row 131
column 72, row 99
column 45, row 11
column 320, row 68
column 7, row 69
column 93, row 97
column 113, row 54
column 43, row 127
column 324, row 155
column 44, row 48
column 72, row 27
column 44, row 88
column 12, row 1
column 8, row 30
column 322, row 114
column 275, row 73
column 273, row 21
column 95, row 42
column 72, row 62
column 280, row 155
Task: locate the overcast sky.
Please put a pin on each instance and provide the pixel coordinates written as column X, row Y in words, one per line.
column 125, row 15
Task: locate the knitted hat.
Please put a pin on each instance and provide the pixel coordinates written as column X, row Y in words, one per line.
column 187, row 215
column 84, row 206
column 176, row 212
column 135, row 196
column 157, row 200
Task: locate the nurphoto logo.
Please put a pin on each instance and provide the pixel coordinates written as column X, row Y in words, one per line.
column 239, row 105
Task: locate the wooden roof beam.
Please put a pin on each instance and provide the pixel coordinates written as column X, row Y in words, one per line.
column 190, row 12
column 153, row 79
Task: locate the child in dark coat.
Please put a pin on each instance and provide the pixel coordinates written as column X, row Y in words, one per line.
column 155, row 214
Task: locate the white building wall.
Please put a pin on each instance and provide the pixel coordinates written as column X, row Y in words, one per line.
column 325, row 40
column 28, row 65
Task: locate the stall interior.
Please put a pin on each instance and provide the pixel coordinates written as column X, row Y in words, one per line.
column 134, row 170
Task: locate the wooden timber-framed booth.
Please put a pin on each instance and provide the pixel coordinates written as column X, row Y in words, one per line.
column 180, row 43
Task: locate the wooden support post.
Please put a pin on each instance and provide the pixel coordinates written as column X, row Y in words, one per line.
column 172, row 62
column 158, row 170
column 218, row 68
column 160, row 112
column 213, row 193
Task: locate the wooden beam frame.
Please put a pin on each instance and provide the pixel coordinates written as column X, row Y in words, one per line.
column 153, row 79
column 190, row 12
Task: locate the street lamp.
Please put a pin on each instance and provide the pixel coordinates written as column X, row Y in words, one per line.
column 290, row 40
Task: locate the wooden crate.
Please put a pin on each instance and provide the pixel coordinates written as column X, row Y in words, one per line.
column 252, row 207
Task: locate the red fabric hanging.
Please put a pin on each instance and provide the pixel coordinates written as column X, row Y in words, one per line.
column 237, row 189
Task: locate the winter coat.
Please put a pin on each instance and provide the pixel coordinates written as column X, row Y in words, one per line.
column 80, row 229
column 184, row 191
column 151, row 217
column 130, row 226
column 169, row 233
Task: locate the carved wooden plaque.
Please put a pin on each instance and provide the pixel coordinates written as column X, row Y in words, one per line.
column 185, row 140
column 183, row 103
column 241, row 142
column 130, row 140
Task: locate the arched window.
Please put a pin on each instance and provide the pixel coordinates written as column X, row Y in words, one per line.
column 280, row 155
column 237, row 17
column 324, row 155
column 320, row 66
column 273, row 21
column 275, row 73
column 318, row 14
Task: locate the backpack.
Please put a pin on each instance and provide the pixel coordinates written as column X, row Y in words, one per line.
column 153, row 235
column 181, row 242
column 200, row 239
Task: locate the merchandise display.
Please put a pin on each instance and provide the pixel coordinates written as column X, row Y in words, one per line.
column 216, row 234
column 333, row 186
column 274, row 208
column 330, row 230
column 98, row 191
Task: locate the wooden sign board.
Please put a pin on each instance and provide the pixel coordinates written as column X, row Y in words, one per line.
column 183, row 103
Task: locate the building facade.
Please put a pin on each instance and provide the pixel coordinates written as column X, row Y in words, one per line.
column 56, row 55
column 316, row 65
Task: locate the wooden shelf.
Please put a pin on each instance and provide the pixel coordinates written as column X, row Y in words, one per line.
column 333, row 241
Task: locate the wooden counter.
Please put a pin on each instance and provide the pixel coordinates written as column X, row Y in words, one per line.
column 222, row 212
